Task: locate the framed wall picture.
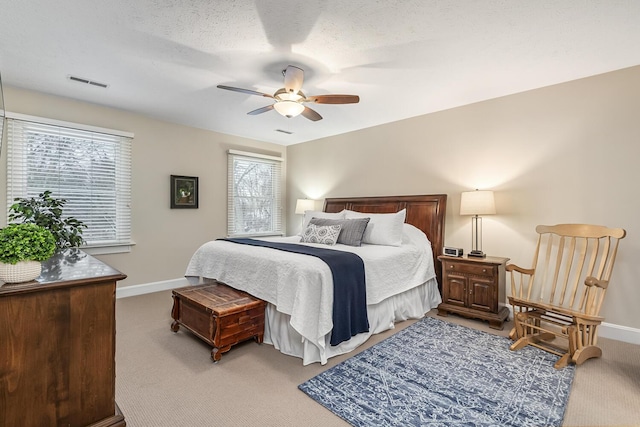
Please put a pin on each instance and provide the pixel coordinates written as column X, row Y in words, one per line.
column 184, row 192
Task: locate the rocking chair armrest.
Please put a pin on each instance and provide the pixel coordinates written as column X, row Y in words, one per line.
column 592, row 281
column 513, row 267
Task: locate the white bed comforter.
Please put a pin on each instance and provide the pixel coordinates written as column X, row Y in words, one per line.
column 301, row 286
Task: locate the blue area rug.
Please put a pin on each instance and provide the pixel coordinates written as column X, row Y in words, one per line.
column 436, row 373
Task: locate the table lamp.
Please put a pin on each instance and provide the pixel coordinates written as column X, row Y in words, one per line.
column 477, row 203
column 303, row 205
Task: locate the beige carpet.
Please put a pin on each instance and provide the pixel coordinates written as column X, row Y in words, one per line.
column 168, row 379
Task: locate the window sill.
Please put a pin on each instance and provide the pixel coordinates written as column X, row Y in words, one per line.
column 108, row 249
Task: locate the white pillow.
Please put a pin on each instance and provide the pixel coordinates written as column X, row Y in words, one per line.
column 383, row 229
column 319, row 214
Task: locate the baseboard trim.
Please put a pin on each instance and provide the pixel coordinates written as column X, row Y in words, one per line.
column 607, row 330
column 620, row 333
column 148, row 288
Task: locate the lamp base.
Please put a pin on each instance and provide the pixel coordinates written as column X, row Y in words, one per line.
column 477, row 254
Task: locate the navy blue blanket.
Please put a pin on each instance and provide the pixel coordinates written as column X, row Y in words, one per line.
column 349, row 292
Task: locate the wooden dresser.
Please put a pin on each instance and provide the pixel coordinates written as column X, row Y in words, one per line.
column 57, row 346
column 473, row 287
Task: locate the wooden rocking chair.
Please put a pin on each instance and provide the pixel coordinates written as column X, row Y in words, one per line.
column 556, row 302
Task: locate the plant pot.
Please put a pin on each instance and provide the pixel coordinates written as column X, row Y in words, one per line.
column 22, row 271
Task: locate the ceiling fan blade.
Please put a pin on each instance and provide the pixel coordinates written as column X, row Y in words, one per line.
column 293, row 77
column 311, row 114
column 261, row 110
column 248, row 91
column 333, row 99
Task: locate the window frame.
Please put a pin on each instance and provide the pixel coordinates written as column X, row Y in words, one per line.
column 276, row 198
column 17, row 171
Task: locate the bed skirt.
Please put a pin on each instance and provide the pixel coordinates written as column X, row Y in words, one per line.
column 412, row 304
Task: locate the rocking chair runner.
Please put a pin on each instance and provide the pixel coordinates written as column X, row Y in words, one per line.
column 557, row 302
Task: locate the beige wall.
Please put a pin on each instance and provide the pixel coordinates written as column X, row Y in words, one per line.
column 565, row 153
column 165, row 238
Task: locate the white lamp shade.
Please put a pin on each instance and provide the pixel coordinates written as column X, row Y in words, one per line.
column 477, row 203
column 288, row 108
column 305, row 205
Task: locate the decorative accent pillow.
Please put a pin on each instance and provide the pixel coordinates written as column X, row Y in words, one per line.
column 319, row 214
column 383, row 229
column 325, row 234
column 351, row 232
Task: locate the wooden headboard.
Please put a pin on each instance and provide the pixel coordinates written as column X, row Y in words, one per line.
column 425, row 212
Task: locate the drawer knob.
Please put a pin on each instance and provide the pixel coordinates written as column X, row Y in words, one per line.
column 484, row 270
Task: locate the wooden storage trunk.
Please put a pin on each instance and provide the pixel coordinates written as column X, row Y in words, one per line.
column 219, row 315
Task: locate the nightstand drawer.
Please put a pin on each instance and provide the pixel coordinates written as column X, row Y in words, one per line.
column 477, row 270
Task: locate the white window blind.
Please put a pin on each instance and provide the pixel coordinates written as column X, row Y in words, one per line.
column 90, row 169
column 254, row 194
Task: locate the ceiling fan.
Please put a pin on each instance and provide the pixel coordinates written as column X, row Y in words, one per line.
column 289, row 100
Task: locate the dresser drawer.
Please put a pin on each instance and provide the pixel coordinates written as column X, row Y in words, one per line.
column 477, row 270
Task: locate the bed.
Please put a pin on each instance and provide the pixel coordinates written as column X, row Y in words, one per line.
column 402, row 281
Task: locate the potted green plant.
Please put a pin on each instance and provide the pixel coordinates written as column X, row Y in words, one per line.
column 22, row 248
column 46, row 211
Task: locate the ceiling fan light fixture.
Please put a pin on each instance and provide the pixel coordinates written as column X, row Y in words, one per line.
column 283, row 95
column 289, row 108
column 290, row 100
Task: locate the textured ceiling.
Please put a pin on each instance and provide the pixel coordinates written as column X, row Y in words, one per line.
column 164, row 58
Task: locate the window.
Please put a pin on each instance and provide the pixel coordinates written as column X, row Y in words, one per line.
column 89, row 167
column 254, row 196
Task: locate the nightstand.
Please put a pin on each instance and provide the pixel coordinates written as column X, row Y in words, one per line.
column 473, row 287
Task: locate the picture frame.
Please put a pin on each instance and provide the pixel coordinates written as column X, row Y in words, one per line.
column 184, row 192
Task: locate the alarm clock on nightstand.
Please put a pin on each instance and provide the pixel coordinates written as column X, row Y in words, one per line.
column 450, row 251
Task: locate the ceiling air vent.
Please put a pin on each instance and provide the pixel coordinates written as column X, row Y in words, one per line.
column 87, row 81
column 284, row 131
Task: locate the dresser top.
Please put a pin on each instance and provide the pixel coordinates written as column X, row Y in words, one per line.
column 71, row 267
